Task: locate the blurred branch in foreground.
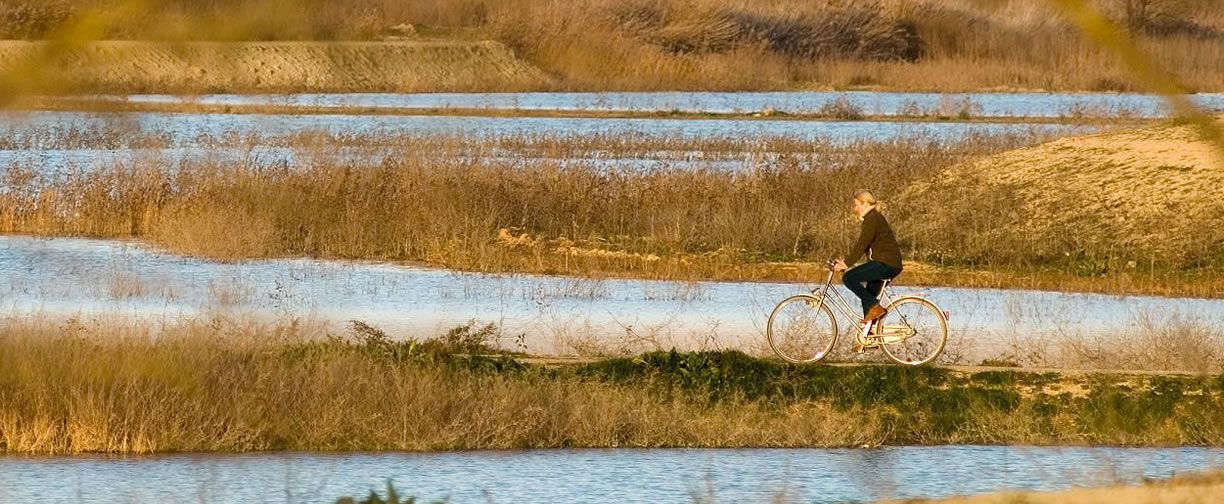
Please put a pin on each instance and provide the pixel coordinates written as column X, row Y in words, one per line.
column 30, row 76
column 1114, row 38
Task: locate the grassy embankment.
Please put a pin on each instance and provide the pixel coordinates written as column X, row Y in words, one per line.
column 231, row 386
column 619, row 44
column 1095, row 213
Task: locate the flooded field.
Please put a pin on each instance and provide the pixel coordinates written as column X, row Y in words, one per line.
column 96, row 282
column 56, row 162
column 181, row 127
column 819, row 476
column 225, row 279
column 47, row 140
column 871, row 102
column 69, row 277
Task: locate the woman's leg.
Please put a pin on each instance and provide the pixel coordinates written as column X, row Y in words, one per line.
column 857, row 278
column 867, row 279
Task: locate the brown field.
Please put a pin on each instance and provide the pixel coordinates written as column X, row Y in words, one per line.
column 637, row 44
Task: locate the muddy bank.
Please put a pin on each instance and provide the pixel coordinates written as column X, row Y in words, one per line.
column 269, row 67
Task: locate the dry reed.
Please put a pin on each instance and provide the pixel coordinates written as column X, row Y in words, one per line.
column 1155, row 343
column 223, row 386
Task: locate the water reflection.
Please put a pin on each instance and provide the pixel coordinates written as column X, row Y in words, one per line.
column 580, row 476
column 61, row 162
column 180, row 128
column 92, row 278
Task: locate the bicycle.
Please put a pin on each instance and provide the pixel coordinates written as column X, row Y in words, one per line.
column 802, row 328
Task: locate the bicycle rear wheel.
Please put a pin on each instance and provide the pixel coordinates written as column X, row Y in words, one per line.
column 801, row 329
column 913, row 332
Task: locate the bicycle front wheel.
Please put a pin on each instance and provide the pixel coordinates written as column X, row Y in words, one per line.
column 801, row 329
column 913, row 332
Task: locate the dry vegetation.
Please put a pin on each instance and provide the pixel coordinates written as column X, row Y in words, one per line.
column 538, row 204
column 711, row 44
column 1158, row 344
column 232, row 385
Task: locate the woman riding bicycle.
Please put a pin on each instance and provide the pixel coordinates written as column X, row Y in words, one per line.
column 913, row 330
column 877, row 241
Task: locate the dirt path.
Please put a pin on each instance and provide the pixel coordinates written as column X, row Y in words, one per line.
column 557, row 361
column 270, row 67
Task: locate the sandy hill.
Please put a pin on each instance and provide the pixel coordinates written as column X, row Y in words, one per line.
column 407, row 66
column 1150, row 193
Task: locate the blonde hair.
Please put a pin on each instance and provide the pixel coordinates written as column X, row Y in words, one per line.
column 865, row 196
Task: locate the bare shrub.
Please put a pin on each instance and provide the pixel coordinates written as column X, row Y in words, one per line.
column 1172, row 343
column 842, row 108
column 25, row 19
column 850, row 32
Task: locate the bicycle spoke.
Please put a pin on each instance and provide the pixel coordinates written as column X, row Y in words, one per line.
column 918, row 334
column 800, row 330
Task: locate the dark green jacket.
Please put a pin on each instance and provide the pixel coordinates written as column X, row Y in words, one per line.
column 877, row 240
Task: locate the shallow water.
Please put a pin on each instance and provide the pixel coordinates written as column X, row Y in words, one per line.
column 65, row 277
column 181, row 129
column 59, row 162
column 50, row 136
column 872, row 102
column 581, row 476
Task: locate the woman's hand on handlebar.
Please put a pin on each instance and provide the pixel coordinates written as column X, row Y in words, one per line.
column 839, row 265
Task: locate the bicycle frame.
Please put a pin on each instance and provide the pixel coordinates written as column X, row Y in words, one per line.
column 843, row 307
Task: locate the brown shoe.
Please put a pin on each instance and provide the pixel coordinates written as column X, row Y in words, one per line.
column 858, row 348
column 875, row 312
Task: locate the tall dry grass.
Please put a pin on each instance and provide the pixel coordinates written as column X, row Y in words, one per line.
column 471, row 204
column 1155, row 342
column 235, row 386
column 708, row 44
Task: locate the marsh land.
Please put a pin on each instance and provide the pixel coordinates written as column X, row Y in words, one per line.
column 239, row 236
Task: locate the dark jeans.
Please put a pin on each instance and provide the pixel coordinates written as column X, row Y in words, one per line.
column 867, row 280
